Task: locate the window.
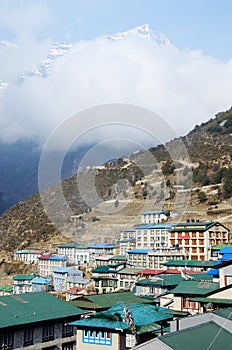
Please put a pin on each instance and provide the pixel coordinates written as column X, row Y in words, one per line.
column 6, row 341
column 48, row 333
column 67, row 330
column 96, row 337
column 68, row 346
column 28, row 337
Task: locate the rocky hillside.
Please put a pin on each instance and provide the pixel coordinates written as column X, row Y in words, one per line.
column 127, row 187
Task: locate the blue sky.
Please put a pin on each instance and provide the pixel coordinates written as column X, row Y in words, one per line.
column 190, row 24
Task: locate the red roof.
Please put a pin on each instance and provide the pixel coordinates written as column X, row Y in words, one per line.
column 151, row 272
column 74, row 290
column 45, row 256
column 172, row 271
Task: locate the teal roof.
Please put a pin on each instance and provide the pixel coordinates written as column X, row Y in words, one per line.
column 115, row 316
column 72, row 245
column 162, row 280
column 212, row 300
column 7, row 289
column 225, row 313
column 29, row 308
column 24, row 277
column 101, row 269
column 104, row 301
column 190, row 263
column 195, row 288
column 201, row 337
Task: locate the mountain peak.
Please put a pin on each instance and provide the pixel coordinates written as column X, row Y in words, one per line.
column 145, row 32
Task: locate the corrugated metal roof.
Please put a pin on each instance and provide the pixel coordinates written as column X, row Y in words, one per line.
column 154, row 226
column 201, row 337
column 104, row 301
column 195, row 288
column 115, row 318
column 138, row 251
column 24, row 277
column 162, row 280
column 190, row 263
column 226, row 313
column 226, row 250
column 33, row 307
column 41, row 280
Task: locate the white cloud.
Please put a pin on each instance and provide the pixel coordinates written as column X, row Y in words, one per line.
column 184, row 87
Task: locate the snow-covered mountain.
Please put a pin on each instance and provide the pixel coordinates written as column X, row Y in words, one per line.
column 144, row 32
column 60, row 49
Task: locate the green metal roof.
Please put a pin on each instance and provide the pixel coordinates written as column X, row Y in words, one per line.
column 190, row 263
column 212, row 300
column 195, row 288
column 6, row 289
column 33, row 307
column 104, row 301
column 225, row 313
column 115, row 318
column 148, row 328
column 162, row 280
column 101, row 269
column 219, row 246
column 24, row 277
column 193, row 226
column 209, row 336
column 119, row 257
column 72, row 245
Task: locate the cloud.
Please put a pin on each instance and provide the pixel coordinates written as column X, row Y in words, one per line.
column 184, row 87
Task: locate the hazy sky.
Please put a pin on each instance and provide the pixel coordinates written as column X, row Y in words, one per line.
column 186, row 84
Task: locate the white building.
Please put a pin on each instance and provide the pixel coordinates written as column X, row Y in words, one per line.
column 196, row 238
column 23, row 283
column 153, row 236
column 47, row 263
column 28, row 255
column 154, row 217
column 76, row 253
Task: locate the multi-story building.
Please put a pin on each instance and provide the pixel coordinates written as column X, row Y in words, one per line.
column 61, row 276
column 37, row 321
column 196, row 238
column 98, row 249
column 23, row 283
column 28, row 255
column 127, row 240
column 77, row 254
column 153, row 236
column 47, row 263
column 154, row 217
column 153, row 258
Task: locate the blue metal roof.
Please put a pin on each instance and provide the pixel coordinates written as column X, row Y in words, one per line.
column 103, row 246
column 226, row 250
column 155, row 226
column 213, row 272
column 226, row 257
column 41, row 280
column 57, row 257
column 62, row 269
column 138, row 251
column 154, row 212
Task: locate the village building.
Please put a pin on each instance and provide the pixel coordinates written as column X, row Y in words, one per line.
column 205, row 331
column 196, row 238
column 122, row 326
column 28, row 256
column 23, row 283
column 37, row 321
column 76, row 253
column 154, row 217
column 47, row 263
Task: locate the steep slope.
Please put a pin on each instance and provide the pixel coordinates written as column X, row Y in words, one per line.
column 124, row 187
